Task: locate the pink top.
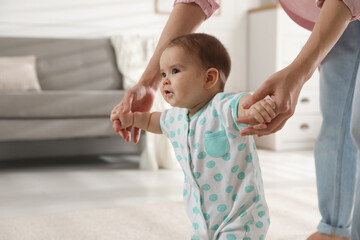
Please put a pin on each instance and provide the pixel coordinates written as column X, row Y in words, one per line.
column 304, row 12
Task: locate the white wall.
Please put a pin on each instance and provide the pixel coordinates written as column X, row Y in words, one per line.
column 98, row 18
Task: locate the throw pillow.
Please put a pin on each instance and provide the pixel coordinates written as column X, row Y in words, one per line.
column 18, row 73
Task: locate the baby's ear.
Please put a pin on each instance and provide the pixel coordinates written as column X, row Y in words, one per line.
column 212, row 76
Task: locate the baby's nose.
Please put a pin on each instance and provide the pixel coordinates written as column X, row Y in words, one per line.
column 166, row 81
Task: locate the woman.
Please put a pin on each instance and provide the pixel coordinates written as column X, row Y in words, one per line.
column 335, row 45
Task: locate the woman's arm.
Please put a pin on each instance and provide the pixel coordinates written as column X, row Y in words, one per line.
column 284, row 86
column 184, row 18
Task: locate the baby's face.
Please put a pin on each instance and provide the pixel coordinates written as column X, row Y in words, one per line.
column 183, row 78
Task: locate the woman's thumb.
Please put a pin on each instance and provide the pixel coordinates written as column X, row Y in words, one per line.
column 258, row 95
column 127, row 101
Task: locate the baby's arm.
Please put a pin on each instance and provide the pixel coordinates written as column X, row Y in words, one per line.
column 262, row 111
column 148, row 121
column 144, row 120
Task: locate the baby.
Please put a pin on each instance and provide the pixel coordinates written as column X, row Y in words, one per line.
column 223, row 190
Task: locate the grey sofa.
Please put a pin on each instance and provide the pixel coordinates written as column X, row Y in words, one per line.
column 70, row 116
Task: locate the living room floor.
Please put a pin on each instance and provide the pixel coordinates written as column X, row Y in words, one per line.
column 32, row 187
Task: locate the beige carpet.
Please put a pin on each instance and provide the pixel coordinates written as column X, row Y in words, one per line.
column 293, row 217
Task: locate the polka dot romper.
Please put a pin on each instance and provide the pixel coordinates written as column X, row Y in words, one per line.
column 223, row 189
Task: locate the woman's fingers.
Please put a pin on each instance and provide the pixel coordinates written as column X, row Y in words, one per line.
column 137, row 133
column 275, row 125
column 127, row 101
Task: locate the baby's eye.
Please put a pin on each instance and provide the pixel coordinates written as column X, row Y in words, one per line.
column 163, row 75
column 175, row 71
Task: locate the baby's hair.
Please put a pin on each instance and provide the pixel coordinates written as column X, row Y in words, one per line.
column 210, row 51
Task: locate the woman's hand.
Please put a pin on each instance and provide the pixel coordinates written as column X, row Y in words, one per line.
column 284, row 88
column 139, row 98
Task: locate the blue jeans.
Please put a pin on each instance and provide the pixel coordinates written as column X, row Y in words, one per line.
column 338, row 144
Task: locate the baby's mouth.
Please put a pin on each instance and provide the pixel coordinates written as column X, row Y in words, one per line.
column 168, row 93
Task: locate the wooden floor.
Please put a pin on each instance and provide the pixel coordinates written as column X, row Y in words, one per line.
column 40, row 187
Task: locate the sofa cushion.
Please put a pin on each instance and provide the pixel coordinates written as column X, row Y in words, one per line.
column 58, row 104
column 68, row 64
column 18, row 73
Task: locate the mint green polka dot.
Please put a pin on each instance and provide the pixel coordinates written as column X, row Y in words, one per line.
column 235, row 197
column 201, row 155
column 201, row 200
column 269, row 220
column 222, row 96
column 196, row 145
column 227, row 229
column 231, row 96
column 262, row 237
column 175, row 144
column 221, row 208
column 196, row 226
column 213, row 197
column 206, row 216
column 229, row 189
column 178, row 157
column 232, row 136
column 218, row 177
column 172, row 134
column 259, row 206
column 165, row 123
column 246, row 238
column 247, row 228
column 185, row 126
column 234, row 168
column 178, row 131
column 171, row 120
column 261, row 214
column 259, row 224
column 210, row 164
column 249, row 157
column 180, row 116
column 202, row 121
column 243, row 213
column 196, row 210
column 182, row 146
column 206, row 187
column 185, row 192
column 241, row 207
column 250, row 221
column 194, row 237
column 215, row 227
column 191, row 133
column 256, row 199
column 215, row 113
column 241, row 175
column 226, row 157
column 241, row 147
column 249, row 188
column 230, row 237
column 197, row 175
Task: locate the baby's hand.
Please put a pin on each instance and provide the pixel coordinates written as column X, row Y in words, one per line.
column 126, row 119
column 263, row 111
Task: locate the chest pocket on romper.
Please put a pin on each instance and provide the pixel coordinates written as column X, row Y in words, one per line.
column 216, row 143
